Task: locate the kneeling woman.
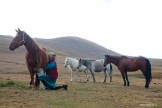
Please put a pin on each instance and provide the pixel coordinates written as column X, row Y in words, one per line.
column 49, row 81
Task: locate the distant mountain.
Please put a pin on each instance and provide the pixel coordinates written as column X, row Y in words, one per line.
column 76, row 47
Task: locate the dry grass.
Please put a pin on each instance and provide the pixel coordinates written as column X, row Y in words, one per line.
column 16, row 94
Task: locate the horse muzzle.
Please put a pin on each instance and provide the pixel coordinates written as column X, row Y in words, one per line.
column 78, row 67
column 11, row 48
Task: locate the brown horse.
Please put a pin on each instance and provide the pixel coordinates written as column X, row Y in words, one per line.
column 36, row 57
column 125, row 64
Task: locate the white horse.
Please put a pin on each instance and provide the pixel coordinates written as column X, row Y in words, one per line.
column 96, row 66
column 73, row 63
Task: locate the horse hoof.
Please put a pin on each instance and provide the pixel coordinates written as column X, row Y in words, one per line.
column 146, row 86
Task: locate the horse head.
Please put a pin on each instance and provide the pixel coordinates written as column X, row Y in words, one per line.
column 80, row 63
column 18, row 40
column 66, row 62
column 106, row 60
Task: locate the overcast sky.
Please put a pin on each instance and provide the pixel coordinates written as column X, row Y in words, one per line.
column 129, row 27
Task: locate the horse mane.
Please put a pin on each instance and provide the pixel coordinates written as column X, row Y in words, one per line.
column 124, row 56
column 30, row 41
column 33, row 47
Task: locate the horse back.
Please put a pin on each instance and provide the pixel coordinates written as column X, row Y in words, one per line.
column 98, row 65
column 131, row 64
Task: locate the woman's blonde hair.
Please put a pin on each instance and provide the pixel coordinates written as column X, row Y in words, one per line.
column 51, row 55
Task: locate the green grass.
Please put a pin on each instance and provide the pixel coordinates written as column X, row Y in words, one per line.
column 13, row 84
column 7, row 84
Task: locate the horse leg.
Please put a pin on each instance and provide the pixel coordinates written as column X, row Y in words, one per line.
column 45, row 73
column 32, row 78
column 78, row 74
column 86, row 72
column 37, row 81
column 110, row 74
column 124, row 79
column 71, row 75
column 109, row 69
column 30, row 84
column 126, row 76
column 105, row 73
column 93, row 75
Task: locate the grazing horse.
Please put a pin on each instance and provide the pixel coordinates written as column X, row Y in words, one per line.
column 73, row 63
column 125, row 64
column 96, row 66
column 36, row 57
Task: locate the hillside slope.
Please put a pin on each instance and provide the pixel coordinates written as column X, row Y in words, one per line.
column 76, row 47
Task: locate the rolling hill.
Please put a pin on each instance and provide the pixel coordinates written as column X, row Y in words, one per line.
column 75, row 47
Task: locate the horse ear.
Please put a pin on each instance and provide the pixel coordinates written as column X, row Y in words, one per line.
column 107, row 55
column 16, row 30
column 19, row 30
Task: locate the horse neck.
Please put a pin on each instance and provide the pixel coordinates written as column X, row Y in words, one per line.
column 31, row 46
column 87, row 63
column 115, row 60
column 73, row 63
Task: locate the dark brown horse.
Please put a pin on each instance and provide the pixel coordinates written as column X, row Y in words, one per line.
column 36, row 57
column 126, row 64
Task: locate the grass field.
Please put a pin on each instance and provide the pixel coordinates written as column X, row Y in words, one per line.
column 15, row 92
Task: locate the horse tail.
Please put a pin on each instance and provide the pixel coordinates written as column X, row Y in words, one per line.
column 37, row 81
column 148, row 74
column 111, row 69
column 110, row 74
